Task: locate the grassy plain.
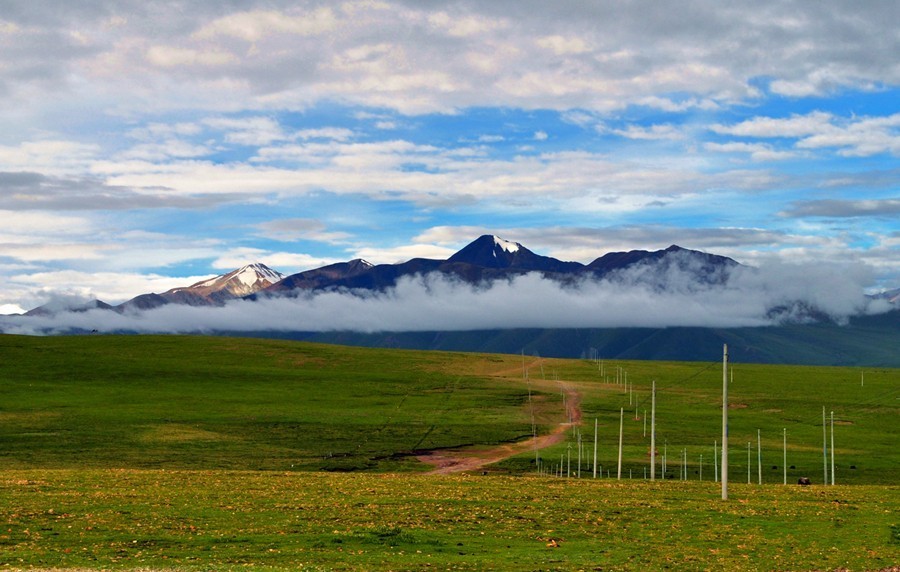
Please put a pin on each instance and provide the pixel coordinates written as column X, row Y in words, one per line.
column 196, row 453
column 224, row 403
column 223, row 520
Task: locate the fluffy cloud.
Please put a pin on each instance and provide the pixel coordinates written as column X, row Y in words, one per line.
column 407, row 57
column 289, row 230
column 852, row 137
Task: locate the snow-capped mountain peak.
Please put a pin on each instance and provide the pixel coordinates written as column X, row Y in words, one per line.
column 489, row 251
column 241, row 282
column 506, row 245
column 253, row 273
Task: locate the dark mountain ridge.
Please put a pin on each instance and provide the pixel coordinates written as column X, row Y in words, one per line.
column 490, row 258
column 485, row 259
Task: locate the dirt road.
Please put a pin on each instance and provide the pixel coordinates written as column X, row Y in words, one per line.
column 453, row 461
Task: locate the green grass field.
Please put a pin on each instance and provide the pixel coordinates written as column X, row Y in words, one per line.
column 222, row 520
column 201, row 453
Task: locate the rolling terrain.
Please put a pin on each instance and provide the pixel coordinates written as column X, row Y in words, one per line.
column 198, row 453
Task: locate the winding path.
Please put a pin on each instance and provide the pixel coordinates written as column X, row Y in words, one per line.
column 446, row 461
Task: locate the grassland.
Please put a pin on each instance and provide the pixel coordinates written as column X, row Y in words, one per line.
column 202, row 453
column 221, row 520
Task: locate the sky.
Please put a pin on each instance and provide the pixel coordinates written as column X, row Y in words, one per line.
column 148, row 145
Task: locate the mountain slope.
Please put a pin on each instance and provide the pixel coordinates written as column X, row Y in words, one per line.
column 236, row 284
column 705, row 268
column 67, row 305
column 215, row 291
column 321, row 277
column 490, row 258
column 489, row 251
column 869, row 341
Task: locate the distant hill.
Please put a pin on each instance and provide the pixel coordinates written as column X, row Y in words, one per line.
column 870, row 341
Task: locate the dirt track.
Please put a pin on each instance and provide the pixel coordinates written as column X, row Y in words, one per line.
column 453, row 461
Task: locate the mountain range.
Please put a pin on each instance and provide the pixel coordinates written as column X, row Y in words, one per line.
column 809, row 336
column 485, row 259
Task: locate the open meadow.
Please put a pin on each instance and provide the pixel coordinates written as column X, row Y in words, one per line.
column 201, row 453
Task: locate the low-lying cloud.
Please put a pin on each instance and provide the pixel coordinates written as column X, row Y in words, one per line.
column 644, row 296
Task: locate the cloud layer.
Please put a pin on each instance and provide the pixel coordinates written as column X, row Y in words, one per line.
column 634, row 298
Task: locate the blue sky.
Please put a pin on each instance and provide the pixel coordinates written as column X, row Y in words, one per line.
column 148, row 145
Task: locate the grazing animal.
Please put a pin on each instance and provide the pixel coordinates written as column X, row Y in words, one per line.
column 804, row 481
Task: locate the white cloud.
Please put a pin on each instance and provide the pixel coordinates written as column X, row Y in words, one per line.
column 590, row 56
column 294, row 229
column 333, row 133
column 436, row 302
column 256, row 25
column 42, row 224
column 669, row 105
column 650, row 132
column 564, row 45
column 50, row 156
column 757, row 151
column 153, row 131
column 169, row 56
column 165, row 150
column 110, row 287
column 253, row 131
column 853, row 136
column 795, row 126
column 6, row 309
column 8, row 28
column 284, row 262
column 464, row 26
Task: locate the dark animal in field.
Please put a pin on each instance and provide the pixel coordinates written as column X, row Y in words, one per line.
column 804, row 481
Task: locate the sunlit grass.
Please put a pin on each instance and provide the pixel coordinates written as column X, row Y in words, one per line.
column 225, row 520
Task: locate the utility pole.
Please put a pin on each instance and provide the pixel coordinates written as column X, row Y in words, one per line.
column 715, row 462
column 621, row 421
column 759, row 455
column 824, row 446
column 784, row 452
column 653, row 431
column 832, row 447
column 725, row 422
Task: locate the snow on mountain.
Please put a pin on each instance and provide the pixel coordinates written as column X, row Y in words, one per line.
column 506, row 245
column 237, row 283
column 214, row 291
column 491, row 251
